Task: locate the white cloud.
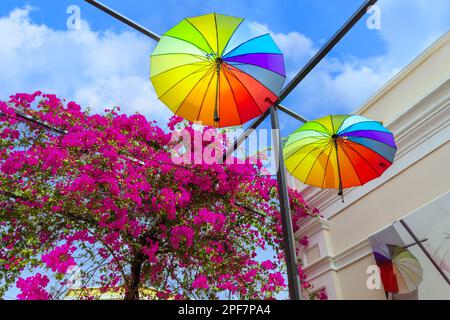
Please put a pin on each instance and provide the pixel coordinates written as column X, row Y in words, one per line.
column 341, row 85
column 103, row 69
column 99, row 70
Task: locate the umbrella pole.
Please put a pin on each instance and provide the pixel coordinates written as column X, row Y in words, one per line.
column 419, row 243
column 216, row 107
column 285, row 212
column 341, row 191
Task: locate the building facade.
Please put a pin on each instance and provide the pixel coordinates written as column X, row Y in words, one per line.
column 415, row 106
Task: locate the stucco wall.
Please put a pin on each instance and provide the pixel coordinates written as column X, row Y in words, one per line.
column 410, row 189
column 415, row 106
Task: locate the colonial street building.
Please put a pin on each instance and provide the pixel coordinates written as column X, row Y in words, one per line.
column 415, row 106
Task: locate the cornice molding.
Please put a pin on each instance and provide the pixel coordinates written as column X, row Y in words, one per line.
column 339, row 261
column 415, row 131
column 403, row 74
column 311, row 226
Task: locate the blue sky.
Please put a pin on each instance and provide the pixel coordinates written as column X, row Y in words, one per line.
column 107, row 63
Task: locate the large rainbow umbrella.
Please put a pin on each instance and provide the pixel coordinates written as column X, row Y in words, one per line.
column 400, row 270
column 439, row 244
column 203, row 75
column 339, row 151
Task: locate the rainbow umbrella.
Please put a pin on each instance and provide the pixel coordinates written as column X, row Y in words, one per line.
column 400, row 270
column 339, row 151
column 439, row 244
column 202, row 74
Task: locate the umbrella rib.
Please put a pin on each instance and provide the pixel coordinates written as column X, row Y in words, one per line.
column 443, row 256
column 340, row 126
column 298, row 140
column 351, row 137
column 179, row 66
column 184, row 100
column 234, row 76
column 235, row 64
column 229, row 39
column 232, row 94
column 302, row 147
column 263, row 35
column 327, row 131
column 181, row 53
column 368, row 121
column 405, row 272
column 365, row 160
column 252, row 78
column 217, row 33
column 171, row 36
column 315, row 161
column 317, row 147
column 178, row 82
column 323, row 134
column 201, row 34
column 325, row 172
column 357, row 175
column 204, row 96
column 371, row 150
column 332, row 124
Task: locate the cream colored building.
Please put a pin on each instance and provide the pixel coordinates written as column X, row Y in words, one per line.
column 415, row 106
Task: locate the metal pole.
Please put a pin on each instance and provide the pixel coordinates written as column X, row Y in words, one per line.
column 312, row 64
column 419, row 243
column 325, row 49
column 124, row 19
column 292, row 114
column 285, row 211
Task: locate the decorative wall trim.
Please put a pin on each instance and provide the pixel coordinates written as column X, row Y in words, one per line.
column 339, row 261
column 419, row 131
column 311, row 226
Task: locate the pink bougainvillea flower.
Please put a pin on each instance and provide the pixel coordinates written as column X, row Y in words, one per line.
column 33, row 288
column 201, row 282
column 60, row 259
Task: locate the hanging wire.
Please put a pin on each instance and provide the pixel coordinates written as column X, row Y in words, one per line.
column 22, row 118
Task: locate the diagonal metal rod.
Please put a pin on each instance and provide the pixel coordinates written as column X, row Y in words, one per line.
column 292, row 113
column 309, row 67
column 424, row 250
column 325, row 49
column 156, row 37
column 256, row 123
column 124, row 19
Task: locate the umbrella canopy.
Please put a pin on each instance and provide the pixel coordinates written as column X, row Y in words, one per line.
column 400, row 270
column 339, row 151
column 204, row 76
column 439, row 244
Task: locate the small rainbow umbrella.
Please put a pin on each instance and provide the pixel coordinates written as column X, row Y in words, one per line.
column 202, row 74
column 439, row 244
column 339, row 151
column 400, row 270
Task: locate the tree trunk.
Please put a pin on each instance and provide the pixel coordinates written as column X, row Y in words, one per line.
column 133, row 288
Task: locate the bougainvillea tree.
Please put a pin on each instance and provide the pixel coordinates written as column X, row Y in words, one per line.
column 101, row 193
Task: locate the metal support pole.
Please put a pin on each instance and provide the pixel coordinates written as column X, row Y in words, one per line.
column 312, row 64
column 326, row 49
column 124, row 19
column 419, row 243
column 285, row 211
column 292, row 114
